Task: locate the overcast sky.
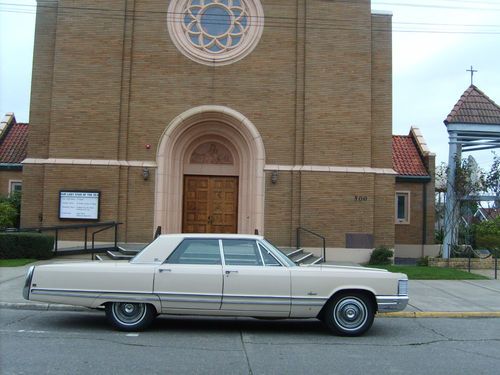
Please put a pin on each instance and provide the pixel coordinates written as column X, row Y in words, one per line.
column 434, row 42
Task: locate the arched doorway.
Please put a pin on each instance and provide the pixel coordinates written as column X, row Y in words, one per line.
column 210, row 175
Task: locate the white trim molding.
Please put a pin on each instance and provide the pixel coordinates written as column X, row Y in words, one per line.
column 330, row 169
column 92, row 162
column 267, row 167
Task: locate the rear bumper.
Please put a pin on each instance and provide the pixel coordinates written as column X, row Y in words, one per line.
column 392, row 303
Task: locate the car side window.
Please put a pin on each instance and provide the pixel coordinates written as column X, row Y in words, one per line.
column 241, row 253
column 196, row 251
column 269, row 260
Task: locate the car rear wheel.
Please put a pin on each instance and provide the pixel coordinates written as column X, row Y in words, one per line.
column 127, row 316
column 349, row 314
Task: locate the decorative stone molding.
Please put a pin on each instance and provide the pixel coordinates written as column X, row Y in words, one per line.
column 92, row 162
column 192, row 129
column 211, row 153
column 330, row 169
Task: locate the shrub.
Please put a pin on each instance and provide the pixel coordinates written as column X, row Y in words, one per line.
column 423, row 262
column 488, row 234
column 10, row 208
column 26, row 245
column 381, row 255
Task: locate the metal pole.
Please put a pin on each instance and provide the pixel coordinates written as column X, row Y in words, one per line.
column 469, row 259
column 116, row 236
column 324, row 250
column 85, row 239
column 57, row 240
column 496, row 265
column 451, row 213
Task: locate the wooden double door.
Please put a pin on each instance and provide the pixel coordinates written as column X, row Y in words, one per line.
column 210, row 204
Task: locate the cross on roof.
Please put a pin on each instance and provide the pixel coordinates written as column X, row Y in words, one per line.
column 472, row 71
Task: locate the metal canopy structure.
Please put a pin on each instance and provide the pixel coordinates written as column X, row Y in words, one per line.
column 473, row 125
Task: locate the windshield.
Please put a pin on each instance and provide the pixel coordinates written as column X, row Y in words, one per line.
column 279, row 253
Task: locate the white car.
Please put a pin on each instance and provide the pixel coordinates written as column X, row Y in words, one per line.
column 220, row 275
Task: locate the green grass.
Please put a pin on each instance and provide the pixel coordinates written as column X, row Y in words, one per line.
column 15, row 262
column 432, row 273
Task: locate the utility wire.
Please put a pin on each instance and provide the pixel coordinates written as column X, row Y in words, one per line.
column 269, row 22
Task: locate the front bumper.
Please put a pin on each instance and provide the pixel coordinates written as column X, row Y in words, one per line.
column 392, row 303
column 27, row 282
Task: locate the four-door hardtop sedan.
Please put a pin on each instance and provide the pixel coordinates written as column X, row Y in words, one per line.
column 223, row 275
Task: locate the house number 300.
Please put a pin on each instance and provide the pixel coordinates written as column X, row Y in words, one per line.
column 360, row 198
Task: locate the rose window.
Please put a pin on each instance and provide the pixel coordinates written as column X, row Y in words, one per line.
column 215, row 31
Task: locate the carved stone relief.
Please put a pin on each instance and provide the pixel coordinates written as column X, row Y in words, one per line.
column 211, row 153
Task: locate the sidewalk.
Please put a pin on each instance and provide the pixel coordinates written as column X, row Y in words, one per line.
column 428, row 298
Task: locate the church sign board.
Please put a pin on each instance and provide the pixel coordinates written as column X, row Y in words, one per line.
column 79, row 205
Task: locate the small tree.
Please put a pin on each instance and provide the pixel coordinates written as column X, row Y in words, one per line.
column 492, row 179
column 10, row 208
column 488, row 235
column 469, row 180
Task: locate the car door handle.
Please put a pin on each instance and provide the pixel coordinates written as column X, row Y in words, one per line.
column 228, row 272
column 165, row 270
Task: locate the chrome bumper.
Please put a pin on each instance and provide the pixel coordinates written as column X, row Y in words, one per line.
column 392, row 303
column 27, row 282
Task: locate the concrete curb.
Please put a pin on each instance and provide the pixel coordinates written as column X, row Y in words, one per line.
column 441, row 314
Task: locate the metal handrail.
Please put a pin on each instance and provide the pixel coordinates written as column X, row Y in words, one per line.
column 158, row 232
column 57, row 228
column 111, row 225
column 314, row 234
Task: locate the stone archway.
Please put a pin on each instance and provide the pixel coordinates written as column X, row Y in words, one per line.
column 192, row 129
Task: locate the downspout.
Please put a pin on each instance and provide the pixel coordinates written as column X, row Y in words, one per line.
column 424, row 217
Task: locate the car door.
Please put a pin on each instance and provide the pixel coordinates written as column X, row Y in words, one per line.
column 254, row 281
column 191, row 277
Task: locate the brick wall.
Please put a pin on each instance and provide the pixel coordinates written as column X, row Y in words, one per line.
column 104, row 87
column 5, row 177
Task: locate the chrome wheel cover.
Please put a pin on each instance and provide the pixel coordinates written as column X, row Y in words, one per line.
column 128, row 313
column 350, row 313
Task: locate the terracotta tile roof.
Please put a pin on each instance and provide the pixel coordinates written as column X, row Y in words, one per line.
column 406, row 159
column 13, row 143
column 474, row 107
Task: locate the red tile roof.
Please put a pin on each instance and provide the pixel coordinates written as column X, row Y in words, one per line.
column 13, row 143
column 406, row 159
column 474, row 107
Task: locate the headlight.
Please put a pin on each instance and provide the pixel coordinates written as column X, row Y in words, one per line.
column 27, row 282
column 403, row 287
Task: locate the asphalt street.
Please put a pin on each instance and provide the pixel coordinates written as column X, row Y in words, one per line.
column 55, row 342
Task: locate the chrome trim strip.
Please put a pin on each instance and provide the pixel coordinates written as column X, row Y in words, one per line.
column 191, row 300
column 95, row 295
column 284, row 303
column 188, row 294
column 90, row 291
column 392, row 303
column 196, row 298
column 253, row 296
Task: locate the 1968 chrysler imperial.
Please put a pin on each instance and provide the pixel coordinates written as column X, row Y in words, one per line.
column 224, row 275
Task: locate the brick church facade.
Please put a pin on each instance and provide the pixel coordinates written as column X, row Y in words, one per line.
column 215, row 116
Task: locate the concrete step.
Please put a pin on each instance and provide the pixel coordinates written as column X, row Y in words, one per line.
column 311, row 261
column 301, row 257
column 128, row 251
column 117, row 255
column 292, row 252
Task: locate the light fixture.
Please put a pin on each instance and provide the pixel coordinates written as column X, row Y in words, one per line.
column 145, row 173
column 274, row 177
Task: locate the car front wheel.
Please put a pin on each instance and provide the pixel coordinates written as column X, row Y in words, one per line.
column 349, row 314
column 127, row 316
